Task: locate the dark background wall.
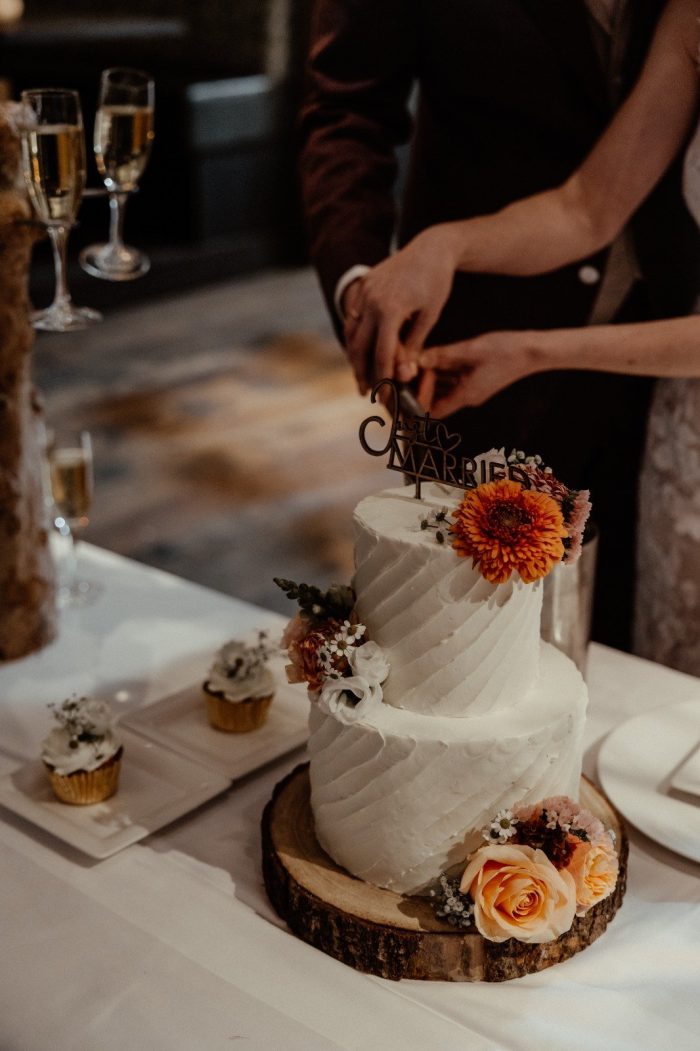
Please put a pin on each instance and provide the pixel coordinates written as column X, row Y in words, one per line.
column 219, row 196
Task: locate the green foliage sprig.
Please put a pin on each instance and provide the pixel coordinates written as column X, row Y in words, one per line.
column 337, row 603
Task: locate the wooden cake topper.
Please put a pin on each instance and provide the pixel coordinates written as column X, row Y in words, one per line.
column 424, row 450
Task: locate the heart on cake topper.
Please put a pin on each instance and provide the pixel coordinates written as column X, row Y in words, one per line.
column 424, row 450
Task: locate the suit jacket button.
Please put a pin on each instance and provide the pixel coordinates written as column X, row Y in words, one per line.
column 589, row 275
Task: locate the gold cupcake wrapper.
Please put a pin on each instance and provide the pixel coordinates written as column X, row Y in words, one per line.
column 87, row 786
column 236, row 716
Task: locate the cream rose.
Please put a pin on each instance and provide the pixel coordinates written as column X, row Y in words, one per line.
column 594, row 869
column 518, row 893
column 369, row 662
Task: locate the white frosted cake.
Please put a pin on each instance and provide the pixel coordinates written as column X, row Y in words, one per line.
column 475, row 715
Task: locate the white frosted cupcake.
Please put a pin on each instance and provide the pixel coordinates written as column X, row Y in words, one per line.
column 82, row 754
column 239, row 687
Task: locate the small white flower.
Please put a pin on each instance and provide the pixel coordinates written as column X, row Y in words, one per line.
column 355, row 631
column 347, row 635
column 97, row 717
column 554, row 821
column 502, row 827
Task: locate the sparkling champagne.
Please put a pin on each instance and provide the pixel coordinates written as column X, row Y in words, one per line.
column 71, row 483
column 123, row 136
column 53, row 158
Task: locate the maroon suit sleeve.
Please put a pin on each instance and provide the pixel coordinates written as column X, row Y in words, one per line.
column 359, row 77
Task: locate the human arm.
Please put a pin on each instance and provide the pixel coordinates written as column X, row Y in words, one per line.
column 470, row 372
column 353, row 115
column 558, row 226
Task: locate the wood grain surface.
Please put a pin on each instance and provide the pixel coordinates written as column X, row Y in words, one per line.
column 396, row 936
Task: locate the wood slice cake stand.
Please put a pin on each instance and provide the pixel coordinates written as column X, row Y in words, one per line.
column 392, row 935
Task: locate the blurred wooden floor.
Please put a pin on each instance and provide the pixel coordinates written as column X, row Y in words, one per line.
column 224, row 426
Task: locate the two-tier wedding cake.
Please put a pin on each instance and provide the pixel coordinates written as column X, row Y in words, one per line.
column 445, row 737
column 477, row 713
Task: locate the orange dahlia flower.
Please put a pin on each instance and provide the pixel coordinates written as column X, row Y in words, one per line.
column 504, row 527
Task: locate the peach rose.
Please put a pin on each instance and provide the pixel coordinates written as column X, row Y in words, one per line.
column 594, row 869
column 518, row 893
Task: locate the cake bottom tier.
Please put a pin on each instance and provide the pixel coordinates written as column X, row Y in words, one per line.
column 402, row 797
column 393, row 935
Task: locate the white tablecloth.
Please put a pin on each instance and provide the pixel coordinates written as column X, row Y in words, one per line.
column 172, row 944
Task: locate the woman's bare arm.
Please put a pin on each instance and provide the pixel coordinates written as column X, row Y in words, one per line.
column 587, row 212
column 542, row 232
column 471, row 372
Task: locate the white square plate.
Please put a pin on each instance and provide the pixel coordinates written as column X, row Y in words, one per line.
column 179, row 721
column 155, row 787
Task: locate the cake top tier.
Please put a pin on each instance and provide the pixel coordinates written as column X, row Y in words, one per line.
column 457, row 644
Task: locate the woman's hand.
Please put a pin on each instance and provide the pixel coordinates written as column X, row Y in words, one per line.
column 471, row 372
column 391, row 310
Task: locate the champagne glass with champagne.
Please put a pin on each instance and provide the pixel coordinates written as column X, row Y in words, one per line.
column 70, row 469
column 122, row 144
column 53, row 164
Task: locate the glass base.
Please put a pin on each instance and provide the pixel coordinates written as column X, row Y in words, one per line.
column 78, row 593
column 112, row 263
column 64, row 317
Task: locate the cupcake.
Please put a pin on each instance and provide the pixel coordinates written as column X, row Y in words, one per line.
column 239, row 687
column 82, row 754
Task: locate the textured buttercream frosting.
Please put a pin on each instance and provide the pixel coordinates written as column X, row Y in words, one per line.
column 399, row 797
column 477, row 714
column 457, row 644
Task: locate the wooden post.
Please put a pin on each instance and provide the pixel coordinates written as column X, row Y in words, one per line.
column 27, row 581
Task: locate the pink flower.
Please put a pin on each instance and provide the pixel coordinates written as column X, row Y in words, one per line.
column 303, row 642
column 527, row 812
column 577, row 504
column 591, row 825
column 576, row 523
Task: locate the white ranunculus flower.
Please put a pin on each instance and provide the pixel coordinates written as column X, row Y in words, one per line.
column 369, row 662
column 332, row 697
column 97, row 717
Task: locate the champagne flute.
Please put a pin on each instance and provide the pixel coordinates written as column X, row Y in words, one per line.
column 53, row 164
column 122, row 144
column 70, row 471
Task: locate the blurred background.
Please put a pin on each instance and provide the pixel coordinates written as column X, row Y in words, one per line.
column 223, row 417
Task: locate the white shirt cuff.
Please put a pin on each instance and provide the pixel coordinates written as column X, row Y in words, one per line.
column 359, row 270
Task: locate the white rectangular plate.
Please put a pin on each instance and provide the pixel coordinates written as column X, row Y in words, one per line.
column 179, row 721
column 156, row 786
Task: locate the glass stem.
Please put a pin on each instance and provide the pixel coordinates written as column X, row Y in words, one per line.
column 117, row 202
column 73, row 562
column 59, row 239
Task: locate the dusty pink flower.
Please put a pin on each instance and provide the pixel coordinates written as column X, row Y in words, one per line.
column 545, row 482
column 575, row 506
column 591, row 825
column 575, row 523
column 303, row 642
column 527, row 812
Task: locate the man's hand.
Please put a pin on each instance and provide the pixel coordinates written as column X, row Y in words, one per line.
column 358, row 358
column 390, row 311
